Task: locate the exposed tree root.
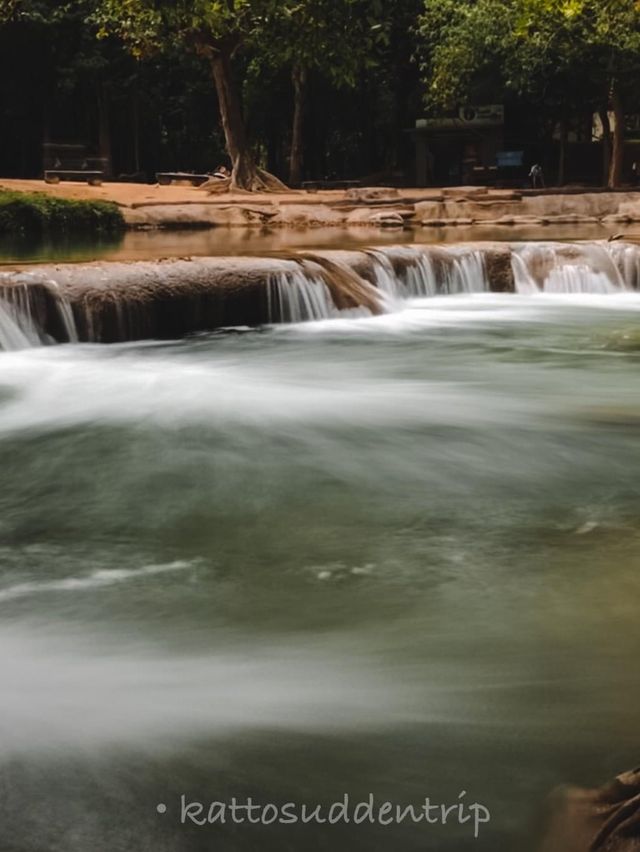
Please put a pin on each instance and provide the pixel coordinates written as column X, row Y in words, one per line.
column 257, row 180
column 215, row 186
column 266, row 182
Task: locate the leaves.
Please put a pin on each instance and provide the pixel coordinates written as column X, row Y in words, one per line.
column 562, row 50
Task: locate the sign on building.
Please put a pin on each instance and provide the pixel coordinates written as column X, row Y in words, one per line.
column 487, row 115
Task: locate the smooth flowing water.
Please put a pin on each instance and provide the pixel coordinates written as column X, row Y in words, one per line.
column 142, row 245
column 391, row 555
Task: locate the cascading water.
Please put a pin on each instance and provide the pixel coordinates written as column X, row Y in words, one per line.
column 413, row 277
column 627, row 260
column 597, row 268
column 17, row 329
column 294, row 297
column 119, row 302
column 466, row 273
column 66, row 312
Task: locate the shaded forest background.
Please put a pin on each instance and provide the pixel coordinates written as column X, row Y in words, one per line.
column 58, row 82
column 324, row 88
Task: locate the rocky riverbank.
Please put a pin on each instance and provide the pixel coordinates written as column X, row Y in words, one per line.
column 147, row 206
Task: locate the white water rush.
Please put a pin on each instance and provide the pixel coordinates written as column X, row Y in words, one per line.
column 118, row 302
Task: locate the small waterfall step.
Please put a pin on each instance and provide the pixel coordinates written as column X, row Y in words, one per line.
column 115, row 302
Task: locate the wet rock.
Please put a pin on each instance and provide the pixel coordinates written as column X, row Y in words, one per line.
column 602, row 820
column 167, row 299
column 372, row 193
column 388, row 219
column 499, row 270
column 199, row 215
column 348, row 288
column 393, row 216
column 307, row 216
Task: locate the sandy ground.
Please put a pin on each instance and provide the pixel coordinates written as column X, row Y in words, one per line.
column 132, row 194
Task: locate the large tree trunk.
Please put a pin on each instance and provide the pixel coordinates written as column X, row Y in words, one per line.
column 299, row 80
column 245, row 174
column 617, row 157
column 606, row 144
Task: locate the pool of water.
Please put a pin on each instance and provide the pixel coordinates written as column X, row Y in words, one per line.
column 394, row 556
column 142, row 245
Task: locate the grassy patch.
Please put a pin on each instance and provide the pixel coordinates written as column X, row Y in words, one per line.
column 37, row 213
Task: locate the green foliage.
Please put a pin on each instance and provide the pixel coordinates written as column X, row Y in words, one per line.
column 458, row 41
column 37, row 213
column 148, row 25
column 550, row 50
column 42, row 12
column 339, row 38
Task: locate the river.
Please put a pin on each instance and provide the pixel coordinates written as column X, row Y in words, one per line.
column 393, row 555
column 156, row 243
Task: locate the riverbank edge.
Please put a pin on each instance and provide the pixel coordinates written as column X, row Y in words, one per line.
column 143, row 206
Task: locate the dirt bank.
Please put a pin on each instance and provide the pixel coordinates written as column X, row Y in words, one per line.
column 148, row 206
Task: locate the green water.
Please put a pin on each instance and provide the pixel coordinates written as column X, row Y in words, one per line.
column 395, row 556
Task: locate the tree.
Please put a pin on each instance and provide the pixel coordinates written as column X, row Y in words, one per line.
column 599, row 43
column 558, row 53
column 337, row 38
column 216, row 30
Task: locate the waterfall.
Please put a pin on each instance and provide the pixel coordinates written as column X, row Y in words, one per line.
column 626, row 258
column 466, row 273
column 385, row 278
column 295, row 297
column 117, row 302
column 412, row 276
column 575, row 267
column 17, row 329
column 420, row 278
column 578, row 279
column 66, row 312
column 404, row 272
column 523, row 281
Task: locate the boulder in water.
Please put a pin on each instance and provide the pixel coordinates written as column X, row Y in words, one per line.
column 500, row 276
column 387, row 219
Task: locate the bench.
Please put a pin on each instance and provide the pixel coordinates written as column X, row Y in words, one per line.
column 64, row 161
column 166, row 178
column 314, row 185
column 92, row 177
